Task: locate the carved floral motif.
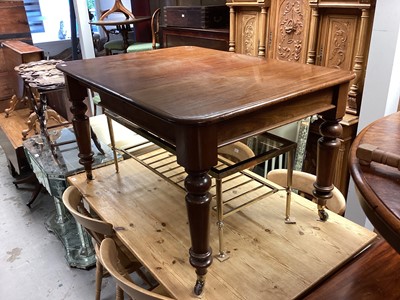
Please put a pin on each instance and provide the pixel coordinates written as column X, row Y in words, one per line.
column 339, row 44
column 291, row 30
column 248, row 34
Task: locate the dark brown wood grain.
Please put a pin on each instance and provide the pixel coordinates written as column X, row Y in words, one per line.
column 208, row 38
column 199, row 99
column 378, row 184
column 373, row 275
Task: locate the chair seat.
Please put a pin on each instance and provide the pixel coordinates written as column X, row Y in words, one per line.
column 139, row 46
column 116, row 45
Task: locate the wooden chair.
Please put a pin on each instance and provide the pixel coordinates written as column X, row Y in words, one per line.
column 118, row 7
column 155, row 28
column 303, row 182
column 112, row 262
column 118, row 44
column 236, row 152
column 99, row 229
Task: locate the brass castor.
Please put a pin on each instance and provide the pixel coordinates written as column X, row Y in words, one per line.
column 323, row 215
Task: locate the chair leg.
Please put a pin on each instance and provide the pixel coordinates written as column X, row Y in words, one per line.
column 112, row 139
column 119, row 293
column 99, row 278
column 35, row 193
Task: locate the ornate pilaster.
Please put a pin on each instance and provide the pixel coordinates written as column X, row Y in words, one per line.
column 313, row 36
column 358, row 62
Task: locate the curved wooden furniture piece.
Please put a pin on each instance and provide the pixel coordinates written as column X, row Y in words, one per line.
column 303, row 182
column 377, row 184
column 118, row 7
column 99, row 230
column 237, row 151
column 122, row 26
column 155, row 29
column 109, row 257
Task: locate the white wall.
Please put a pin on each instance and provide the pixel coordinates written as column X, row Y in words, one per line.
column 84, row 31
column 382, row 82
column 53, row 13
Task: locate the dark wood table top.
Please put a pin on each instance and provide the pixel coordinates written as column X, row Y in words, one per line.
column 199, row 99
column 21, row 47
column 372, row 275
column 379, row 184
column 191, row 85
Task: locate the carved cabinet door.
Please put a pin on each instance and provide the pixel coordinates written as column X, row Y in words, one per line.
column 337, row 40
column 247, row 29
column 289, row 30
column 337, row 45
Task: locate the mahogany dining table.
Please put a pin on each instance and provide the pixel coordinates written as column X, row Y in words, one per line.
column 199, row 99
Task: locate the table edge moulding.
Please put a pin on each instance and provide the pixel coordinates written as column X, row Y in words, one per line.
column 199, row 99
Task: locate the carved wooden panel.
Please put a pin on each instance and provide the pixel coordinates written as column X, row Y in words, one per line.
column 337, row 41
column 289, row 30
column 247, row 32
column 248, row 26
column 342, row 40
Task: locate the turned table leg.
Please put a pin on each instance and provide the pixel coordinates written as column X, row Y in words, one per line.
column 80, row 121
column 327, row 153
column 198, row 200
column 82, row 132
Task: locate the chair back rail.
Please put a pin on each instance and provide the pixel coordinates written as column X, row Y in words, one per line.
column 304, row 183
column 109, row 257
